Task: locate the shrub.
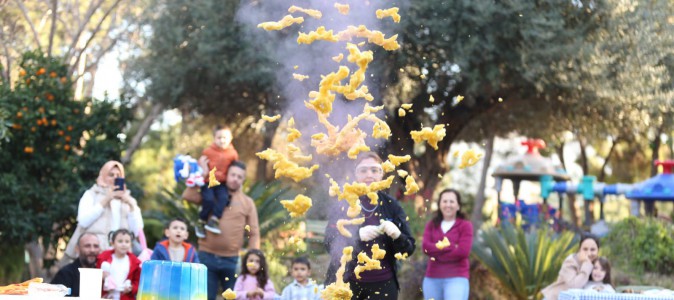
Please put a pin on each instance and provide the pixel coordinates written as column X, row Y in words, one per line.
column 524, row 262
column 641, row 245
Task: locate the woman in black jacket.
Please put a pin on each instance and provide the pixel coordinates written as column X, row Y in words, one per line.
column 385, row 224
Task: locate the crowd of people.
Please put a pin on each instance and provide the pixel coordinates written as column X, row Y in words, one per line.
column 110, row 226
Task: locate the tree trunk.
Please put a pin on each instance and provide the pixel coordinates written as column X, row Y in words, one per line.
column 560, row 152
column 36, row 255
column 156, row 110
column 52, row 31
column 267, row 138
column 587, row 205
column 476, row 216
column 649, row 206
column 583, row 156
column 602, row 172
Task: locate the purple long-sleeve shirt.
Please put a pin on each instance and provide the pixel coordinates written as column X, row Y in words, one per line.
column 451, row 261
column 247, row 283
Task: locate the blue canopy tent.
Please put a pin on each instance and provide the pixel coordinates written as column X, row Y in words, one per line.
column 657, row 188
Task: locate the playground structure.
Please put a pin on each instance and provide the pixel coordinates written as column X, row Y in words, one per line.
column 531, row 166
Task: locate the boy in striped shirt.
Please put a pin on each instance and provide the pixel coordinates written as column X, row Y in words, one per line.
column 302, row 288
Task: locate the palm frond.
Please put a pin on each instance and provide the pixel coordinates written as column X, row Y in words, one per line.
column 524, row 262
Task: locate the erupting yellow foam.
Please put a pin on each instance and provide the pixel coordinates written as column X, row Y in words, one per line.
column 339, row 290
column 432, row 136
column 469, row 158
column 352, row 192
column 343, row 222
column 397, row 160
column 373, row 36
column 288, row 20
column 211, row 178
column 366, row 263
column 388, row 166
column 320, row 34
column 411, row 186
column 285, row 167
column 229, row 294
column 342, row 8
column 311, row 12
column 391, row 12
column 300, row 77
column 298, row 206
column 271, row 119
column 444, row 243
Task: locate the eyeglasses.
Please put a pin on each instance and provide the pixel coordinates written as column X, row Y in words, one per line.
column 372, row 169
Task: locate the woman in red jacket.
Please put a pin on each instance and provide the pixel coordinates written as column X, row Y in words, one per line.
column 448, row 266
column 121, row 269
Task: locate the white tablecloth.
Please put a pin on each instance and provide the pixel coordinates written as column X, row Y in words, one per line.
column 593, row 295
column 8, row 297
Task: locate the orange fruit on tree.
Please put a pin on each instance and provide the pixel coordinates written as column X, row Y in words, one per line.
column 19, row 114
column 53, row 122
column 67, row 138
column 66, row 147
column 41, row 71
column 22, row 73
column 70, row 128
column 61, row 132
column 52, row 74
column 28, row 149
column 50, row 97
column 32, row 129
column 64, row 80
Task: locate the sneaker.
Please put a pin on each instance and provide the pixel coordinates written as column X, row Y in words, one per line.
column 213, row 225
column 199, row 230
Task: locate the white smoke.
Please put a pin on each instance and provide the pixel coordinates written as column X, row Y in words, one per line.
column 315, row 60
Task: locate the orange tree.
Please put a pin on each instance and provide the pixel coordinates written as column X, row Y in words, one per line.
column 54, row 149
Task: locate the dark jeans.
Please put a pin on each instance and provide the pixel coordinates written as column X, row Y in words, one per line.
column 387, row 289
column 219, row 268
column 214, row 201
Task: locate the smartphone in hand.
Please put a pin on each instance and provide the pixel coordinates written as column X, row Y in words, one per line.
column 119, row 184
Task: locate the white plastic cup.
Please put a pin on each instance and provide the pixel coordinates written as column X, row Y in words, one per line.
column 91, row 281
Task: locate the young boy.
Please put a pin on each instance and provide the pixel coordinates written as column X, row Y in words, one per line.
column 174, row 247
column 302, row 288
column 219, row 155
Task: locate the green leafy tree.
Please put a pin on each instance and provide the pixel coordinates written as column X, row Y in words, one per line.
column 57, row 145
column 199, row 60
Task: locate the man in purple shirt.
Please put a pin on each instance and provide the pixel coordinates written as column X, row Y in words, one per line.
column 385, row 225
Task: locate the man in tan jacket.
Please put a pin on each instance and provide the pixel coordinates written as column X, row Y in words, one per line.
column 220, row 252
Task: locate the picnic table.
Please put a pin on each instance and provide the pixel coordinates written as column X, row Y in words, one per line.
column 578, row 294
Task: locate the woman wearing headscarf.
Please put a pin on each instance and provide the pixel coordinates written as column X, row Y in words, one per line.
column 103, row 209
